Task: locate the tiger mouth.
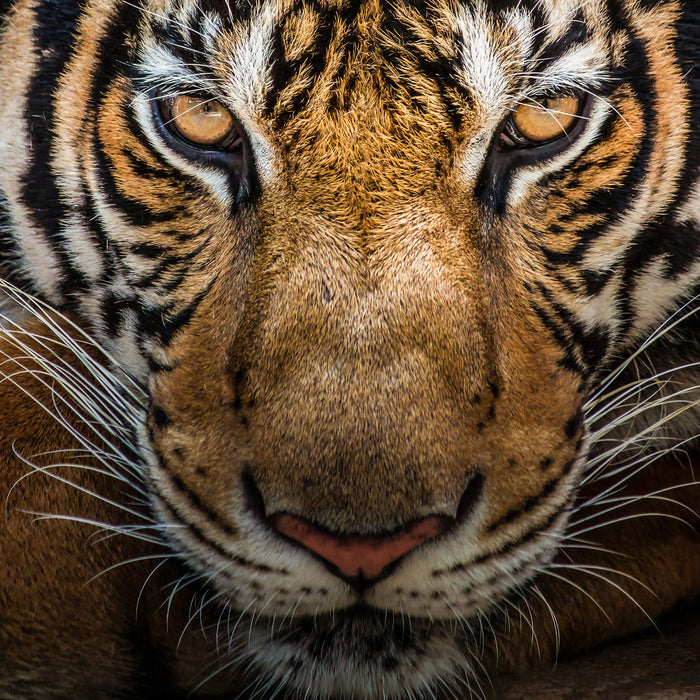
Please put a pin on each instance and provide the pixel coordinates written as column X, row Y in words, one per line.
column 298, row 592
column 362, row 559
column 351, row 653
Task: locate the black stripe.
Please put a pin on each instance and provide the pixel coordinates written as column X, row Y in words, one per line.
column 646, row 245
column 132, row 209
column 5, row 6
column 611, row 204
column 164, row 322
column 595, row 281
column 618, row 15
column 54, row 38
column 607, row 203
column 687, row 48
column 334, row 26
column 679, row 244
column 114, row 308
column 286, row 72
column 527, row 505
column 148, row 250
column 172, row 263
column 616, row 200
column 114, row 55
column 158, row 168
column 591, row 343
column 538, row 529
column 197, row 532
column 201, row 507
column 427, row 61
column 577, row 33
column 569, row 361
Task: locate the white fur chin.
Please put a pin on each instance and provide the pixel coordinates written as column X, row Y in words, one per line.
column 350, row 667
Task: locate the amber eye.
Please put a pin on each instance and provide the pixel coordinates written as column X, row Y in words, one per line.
column 201, row 121
column 547, row 119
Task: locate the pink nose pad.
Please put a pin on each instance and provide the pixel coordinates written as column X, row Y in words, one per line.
column 362, row 557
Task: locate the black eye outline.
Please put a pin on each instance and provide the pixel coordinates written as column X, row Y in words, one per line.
column 510, row 151
column 510, row 138
column 232, row 155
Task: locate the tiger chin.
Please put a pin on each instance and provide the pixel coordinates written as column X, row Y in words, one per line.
column 348, row 349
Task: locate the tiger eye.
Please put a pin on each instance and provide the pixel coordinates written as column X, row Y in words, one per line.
column 202, row 121
column 547, row 120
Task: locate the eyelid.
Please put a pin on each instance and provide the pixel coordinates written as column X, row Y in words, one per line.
column 233, row 157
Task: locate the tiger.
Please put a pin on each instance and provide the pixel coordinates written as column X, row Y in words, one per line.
column 349, row 348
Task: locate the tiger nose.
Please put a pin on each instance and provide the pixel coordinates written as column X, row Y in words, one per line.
column 361, row 560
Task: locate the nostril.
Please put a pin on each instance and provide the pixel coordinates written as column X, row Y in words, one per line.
column 253, row 498
column 359, row 559
column 470, row 497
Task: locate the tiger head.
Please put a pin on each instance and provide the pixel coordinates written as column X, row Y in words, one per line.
column 370, row 261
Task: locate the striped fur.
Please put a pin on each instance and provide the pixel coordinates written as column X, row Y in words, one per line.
column 375, row 310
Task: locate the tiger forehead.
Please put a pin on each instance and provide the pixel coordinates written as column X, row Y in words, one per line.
column 384, row 65
column 276, row 59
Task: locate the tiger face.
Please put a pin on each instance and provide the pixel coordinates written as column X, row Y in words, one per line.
column 370, row 261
